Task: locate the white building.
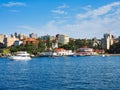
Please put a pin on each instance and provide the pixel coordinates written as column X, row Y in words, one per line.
column 21, row 36
column 107, row 41
column 55, row 45
column 96, row 42
column 63, row 52
column 63, row 39
column 58, row 52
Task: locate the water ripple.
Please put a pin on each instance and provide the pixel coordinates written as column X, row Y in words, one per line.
column 61, row 73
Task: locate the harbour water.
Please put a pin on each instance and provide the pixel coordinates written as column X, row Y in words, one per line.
column 61, row 73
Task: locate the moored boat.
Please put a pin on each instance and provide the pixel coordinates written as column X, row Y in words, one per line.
column 22, row 55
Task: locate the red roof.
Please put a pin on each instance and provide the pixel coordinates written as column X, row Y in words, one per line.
column 59, row 49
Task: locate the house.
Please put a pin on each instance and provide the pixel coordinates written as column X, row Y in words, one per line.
column 9, row 41
column 2, row 36
column 63, row 52
column 85, row 51
column 30, row 41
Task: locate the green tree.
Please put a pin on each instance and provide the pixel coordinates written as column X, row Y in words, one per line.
column 41, row 46
column 70, row 46
column 115, row 48
column 48, row 43
column 6, row 51
column 14, row 49
column 31, row 48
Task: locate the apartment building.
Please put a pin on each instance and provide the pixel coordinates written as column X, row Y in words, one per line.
column 107, row 41
column 63, row 39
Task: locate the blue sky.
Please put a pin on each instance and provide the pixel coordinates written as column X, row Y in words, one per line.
column 76, row 18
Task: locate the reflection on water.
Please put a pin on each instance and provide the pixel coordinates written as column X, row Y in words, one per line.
column 61, row 73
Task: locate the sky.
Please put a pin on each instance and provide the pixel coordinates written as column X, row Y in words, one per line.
column 75, row 18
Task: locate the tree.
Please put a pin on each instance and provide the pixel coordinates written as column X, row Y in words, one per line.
column 66, row 46
column 48, row 43
column 14, row 49
column 6, row 51
column 115, row 48
column 70, row 46
column 78, row 43
column 31, row 48
column 2, row 45
column 41, row 46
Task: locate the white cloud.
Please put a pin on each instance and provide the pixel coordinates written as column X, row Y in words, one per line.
column 85, row 28
column 58, row 11
column 12, row 4
column 99, row 12
column 63, row 6
column 105, row 9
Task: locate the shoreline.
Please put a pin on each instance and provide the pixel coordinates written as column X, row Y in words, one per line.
column 73, row 55
column 111, row 54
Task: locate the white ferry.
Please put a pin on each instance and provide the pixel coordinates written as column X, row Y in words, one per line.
column 22, row 55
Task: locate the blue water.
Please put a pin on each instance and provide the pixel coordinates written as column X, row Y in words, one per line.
column 61, row 73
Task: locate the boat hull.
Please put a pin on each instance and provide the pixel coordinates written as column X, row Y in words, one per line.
column 20, row 58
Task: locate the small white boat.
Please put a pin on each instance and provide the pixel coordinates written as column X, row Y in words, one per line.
column 103, row 55
column 22, row 55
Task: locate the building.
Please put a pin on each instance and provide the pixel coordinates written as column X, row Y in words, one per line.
column 85, row 51
column 22, row 36
column 33, row 35
column 96, row 42
column 63, row 52
column 63, row 39
column 30, row 41
column 2, row 36
column 9, row 41
column 107, row 41
column 55, row 45
column 16, row 35
column 46, row 37
column 119, row 39
column 99, row 51
column 18, row 43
